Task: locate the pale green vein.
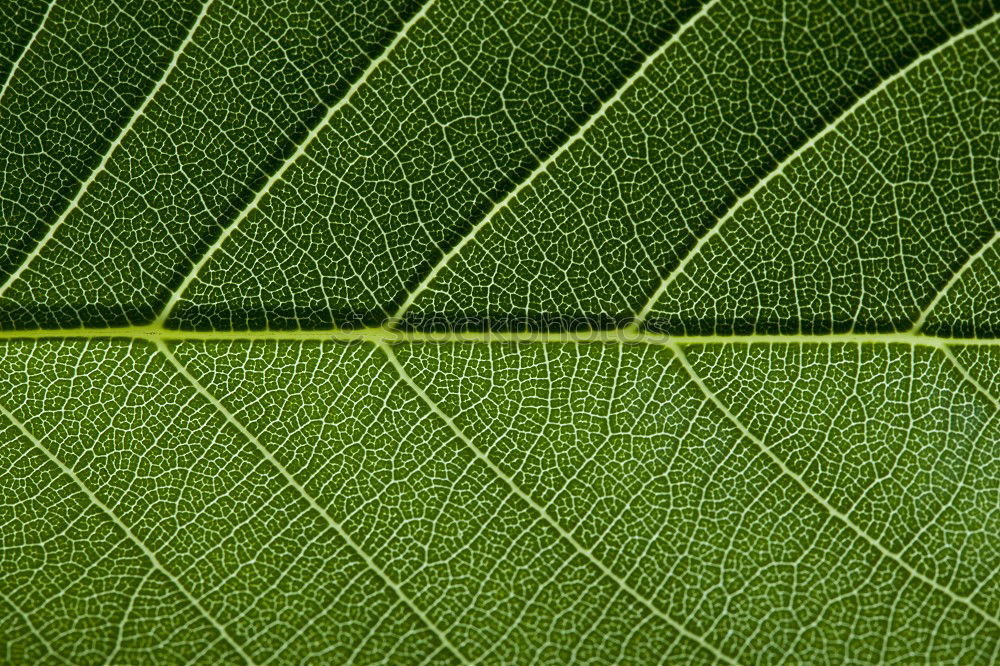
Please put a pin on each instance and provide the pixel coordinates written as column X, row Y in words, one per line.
column 820, row 499
column 120, row 634
column 310, row 500
column 382, row 334
column 779, row 170
column 150, row 555
column 956, row 276
column 27, row 47
column 13, row 277
column 543, row 166
column 538, row 508
column 278, row 175
column 946, row 350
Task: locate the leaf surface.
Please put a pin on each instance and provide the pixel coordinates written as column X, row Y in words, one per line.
column 466, row 332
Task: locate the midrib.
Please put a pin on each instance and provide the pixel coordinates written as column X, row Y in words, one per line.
column 387, row 335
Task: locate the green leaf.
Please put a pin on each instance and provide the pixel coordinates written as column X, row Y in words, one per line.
column 522, row 332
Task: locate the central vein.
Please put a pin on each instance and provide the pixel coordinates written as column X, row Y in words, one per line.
column 389, row 335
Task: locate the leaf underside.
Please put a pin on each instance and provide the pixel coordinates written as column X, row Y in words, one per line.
column 598, row 331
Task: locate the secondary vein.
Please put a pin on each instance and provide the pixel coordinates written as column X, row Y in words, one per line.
column 820, row 499
column 313, row 503
column 13, row 277
column 150, row 555
column 955, row 277
column 538, row 508
column 778, row 170
column 300, row 150
column 543, row 166
column 27, row 48
column 33, row 629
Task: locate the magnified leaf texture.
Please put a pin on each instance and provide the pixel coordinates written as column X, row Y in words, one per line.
column 499, row 332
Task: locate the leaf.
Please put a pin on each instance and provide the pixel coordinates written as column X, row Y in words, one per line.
column 513, row 332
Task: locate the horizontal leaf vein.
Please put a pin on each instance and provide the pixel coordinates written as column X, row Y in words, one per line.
column 599, row 336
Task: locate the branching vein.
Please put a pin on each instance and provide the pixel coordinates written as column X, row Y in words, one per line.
column 543, row 166
column 278, row 175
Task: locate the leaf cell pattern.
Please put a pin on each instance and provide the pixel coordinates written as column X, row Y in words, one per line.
column 597, row 331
